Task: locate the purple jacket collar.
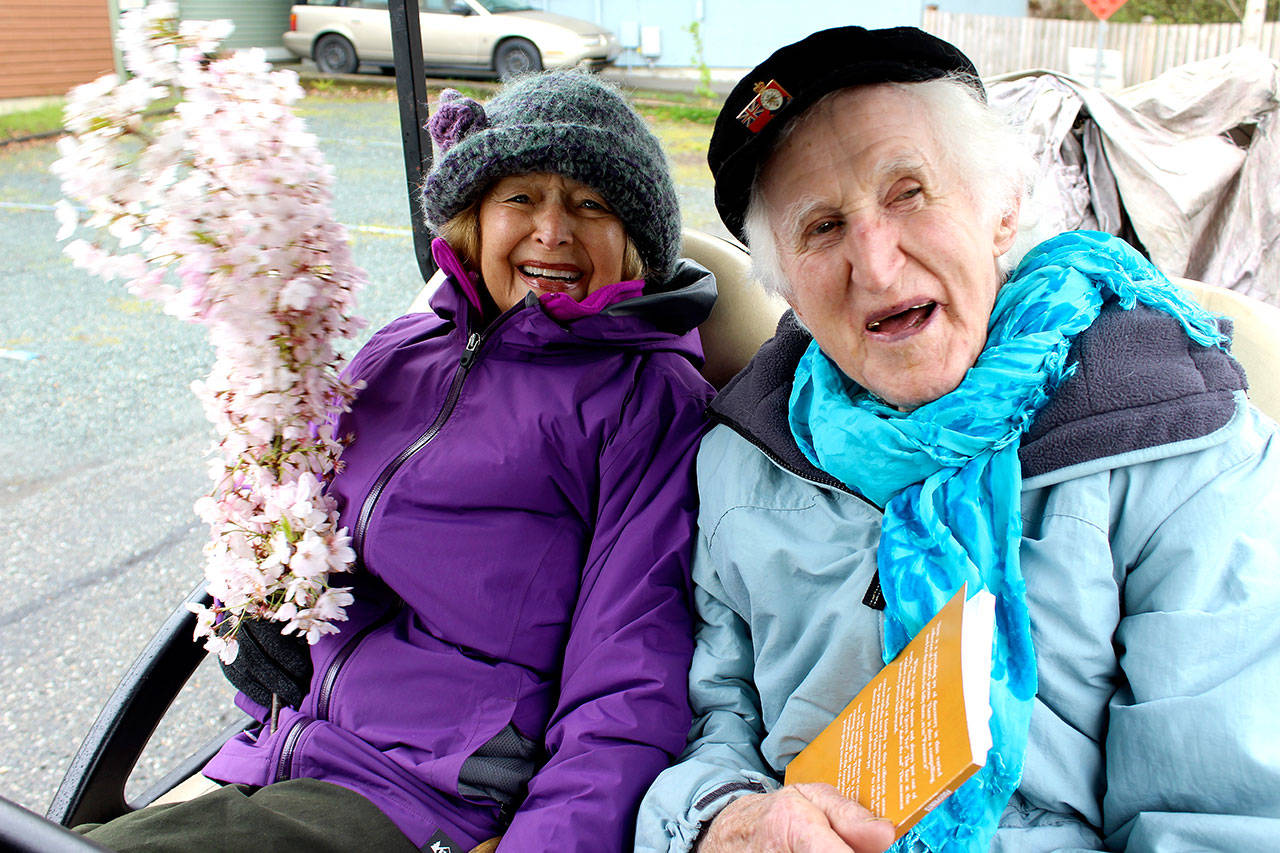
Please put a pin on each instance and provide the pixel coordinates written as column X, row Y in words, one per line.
column 560, row 306
column 619, row 314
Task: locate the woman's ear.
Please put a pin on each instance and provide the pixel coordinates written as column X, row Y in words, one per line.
column 1007, row 228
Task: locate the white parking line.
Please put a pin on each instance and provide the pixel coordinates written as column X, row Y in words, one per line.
column 18, row 205
column 381, row 229
column 382, row 143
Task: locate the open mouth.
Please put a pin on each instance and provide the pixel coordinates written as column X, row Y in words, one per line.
column 550, row 278
column 902, row 321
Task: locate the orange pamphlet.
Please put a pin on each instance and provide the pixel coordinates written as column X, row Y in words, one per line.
column 921, row 727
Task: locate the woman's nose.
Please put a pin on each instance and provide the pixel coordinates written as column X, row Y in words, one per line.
column 551, row 226
column 875, row 256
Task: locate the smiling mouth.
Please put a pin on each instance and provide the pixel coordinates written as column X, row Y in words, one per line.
column 553, row 279
column 902, row 321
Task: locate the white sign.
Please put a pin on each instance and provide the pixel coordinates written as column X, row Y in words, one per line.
column 651, row 42
column 1082, row 64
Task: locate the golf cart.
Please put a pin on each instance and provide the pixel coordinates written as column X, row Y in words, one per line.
column 94, row 787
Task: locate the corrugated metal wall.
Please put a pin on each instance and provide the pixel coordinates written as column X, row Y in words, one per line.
column 48, row 46
column 741, row 33
column 259, row 23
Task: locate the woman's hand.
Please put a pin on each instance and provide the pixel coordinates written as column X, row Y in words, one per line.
column 808, row 818
column 270, row 663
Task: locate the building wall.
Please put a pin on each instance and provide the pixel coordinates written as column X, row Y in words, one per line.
column 48, row 46
column 741, row 33
column 259, row 23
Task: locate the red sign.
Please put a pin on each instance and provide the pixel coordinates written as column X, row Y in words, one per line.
column 1103, row 8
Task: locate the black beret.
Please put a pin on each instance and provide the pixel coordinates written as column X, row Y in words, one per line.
column 794, row 77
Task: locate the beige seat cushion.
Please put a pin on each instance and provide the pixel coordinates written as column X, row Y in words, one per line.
column 188, row 789
column 1256, row 344
column 744, row 316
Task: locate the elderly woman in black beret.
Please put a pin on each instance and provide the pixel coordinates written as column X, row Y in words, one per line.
column 1071, row 436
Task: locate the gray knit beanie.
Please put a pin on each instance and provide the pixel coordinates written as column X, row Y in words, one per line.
column 568, row 123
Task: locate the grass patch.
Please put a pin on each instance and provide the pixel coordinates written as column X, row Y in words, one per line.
column 670, row 96
column 679, row 112
column 43, row 119
column 475, row 93
column 682, row 138
column 47, row 119
column 656, row 105
column 329, row 90
column 325, row 89
column 678, row 107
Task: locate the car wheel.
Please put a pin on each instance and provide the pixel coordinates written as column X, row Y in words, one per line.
column 335, row 55
column 515, row 57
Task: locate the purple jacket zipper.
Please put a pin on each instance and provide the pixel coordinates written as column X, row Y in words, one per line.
column 283, row 768
column 331, row 674
column 455, row 389
column 284, row 765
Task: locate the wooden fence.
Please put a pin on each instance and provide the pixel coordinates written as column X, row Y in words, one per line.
column 999, row 44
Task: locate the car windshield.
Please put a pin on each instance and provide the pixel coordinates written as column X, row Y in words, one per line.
column 505, row 5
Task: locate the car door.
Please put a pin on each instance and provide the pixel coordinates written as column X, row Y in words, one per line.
column 370, row 22
column 448, row 38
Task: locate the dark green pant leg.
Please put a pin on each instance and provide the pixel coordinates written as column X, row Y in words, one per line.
column 299, row 814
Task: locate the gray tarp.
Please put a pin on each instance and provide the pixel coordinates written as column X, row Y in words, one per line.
column 1189, row 158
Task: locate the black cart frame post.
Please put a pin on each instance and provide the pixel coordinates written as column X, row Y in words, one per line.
column 411, row 87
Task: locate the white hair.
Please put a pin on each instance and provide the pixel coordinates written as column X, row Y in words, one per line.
column 992, row 158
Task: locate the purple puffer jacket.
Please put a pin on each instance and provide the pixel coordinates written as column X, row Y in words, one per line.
column 522, row 503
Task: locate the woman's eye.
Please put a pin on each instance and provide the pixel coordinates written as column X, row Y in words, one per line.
column 593, row 204
column 518, row 198
column 906, row 195
column 826, row 226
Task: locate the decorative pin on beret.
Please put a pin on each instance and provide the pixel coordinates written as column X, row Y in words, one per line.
column 769, row 100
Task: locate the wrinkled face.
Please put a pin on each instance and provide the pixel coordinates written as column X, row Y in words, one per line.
column 548, row 234
column 891, row 263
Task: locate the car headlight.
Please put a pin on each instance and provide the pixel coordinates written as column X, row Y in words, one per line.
column 593, row 40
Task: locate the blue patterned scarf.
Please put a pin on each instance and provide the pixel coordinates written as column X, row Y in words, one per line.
column 948, row 477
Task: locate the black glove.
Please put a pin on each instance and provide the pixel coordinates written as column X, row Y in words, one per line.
column 270, row 663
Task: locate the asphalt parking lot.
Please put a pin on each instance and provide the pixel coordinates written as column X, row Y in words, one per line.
column 102, row 444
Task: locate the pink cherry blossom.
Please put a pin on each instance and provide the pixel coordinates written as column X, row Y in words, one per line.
column 222, row 214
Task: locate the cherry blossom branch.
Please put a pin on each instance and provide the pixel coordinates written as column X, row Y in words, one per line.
column 221, row 213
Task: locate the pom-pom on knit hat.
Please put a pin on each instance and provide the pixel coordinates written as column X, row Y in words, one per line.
column 564, row 122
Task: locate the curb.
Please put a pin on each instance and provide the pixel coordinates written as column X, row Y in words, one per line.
column 655, row 92
column 62, row 131
column 34, row 137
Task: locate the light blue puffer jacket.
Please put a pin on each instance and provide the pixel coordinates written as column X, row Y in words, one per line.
column 1153, row 579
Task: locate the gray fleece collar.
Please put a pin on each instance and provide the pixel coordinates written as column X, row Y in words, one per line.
column 1141, row 382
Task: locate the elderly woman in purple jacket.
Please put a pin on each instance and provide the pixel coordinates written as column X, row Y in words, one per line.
column 518, row 486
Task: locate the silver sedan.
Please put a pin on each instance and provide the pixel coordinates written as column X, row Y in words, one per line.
column 492, row 37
